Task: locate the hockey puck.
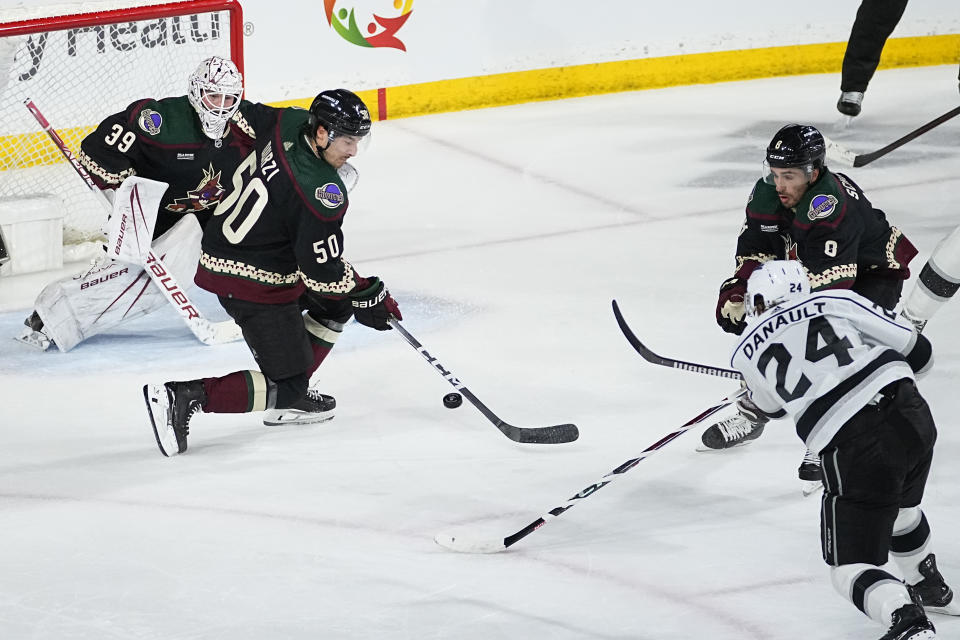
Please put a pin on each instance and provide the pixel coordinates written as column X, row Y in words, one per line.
column 452, row 400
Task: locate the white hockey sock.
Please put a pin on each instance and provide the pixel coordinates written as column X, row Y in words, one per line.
column 938, row 281
column 871, row 589
column 910, row 543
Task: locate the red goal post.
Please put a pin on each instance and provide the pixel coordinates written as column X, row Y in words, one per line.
column 80, row 62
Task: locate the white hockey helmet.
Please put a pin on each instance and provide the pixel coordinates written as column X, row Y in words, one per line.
column 775, row 283
column 215, row 91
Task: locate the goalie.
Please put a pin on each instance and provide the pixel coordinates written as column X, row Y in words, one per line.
column 190, row 142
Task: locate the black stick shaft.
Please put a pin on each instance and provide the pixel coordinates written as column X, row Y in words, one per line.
column 866, row 158
column 653, row 358
column 554, row 434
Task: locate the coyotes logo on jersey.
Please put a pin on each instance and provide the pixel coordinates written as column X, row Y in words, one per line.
column 207, row 194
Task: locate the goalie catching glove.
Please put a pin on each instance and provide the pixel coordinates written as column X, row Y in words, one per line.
column 373, row 306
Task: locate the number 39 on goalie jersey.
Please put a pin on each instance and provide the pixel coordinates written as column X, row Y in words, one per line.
column 823, row 359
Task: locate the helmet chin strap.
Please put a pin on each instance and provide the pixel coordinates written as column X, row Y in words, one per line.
column 317, row 149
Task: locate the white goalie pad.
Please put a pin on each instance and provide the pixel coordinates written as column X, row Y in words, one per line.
column 134, row 216
column 111, row 292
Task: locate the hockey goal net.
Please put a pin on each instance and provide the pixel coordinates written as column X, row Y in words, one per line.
column 80, row 62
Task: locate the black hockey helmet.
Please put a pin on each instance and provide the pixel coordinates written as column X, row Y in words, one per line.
column 339, row 111
column 798, row 146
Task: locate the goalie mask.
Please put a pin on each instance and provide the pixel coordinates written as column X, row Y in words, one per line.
column 215, row 91
column 774, row 284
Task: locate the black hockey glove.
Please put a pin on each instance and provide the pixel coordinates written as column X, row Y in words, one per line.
column 730, row 308
column 374, row 306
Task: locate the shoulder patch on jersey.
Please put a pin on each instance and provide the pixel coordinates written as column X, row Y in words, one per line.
column 822, row 206
column 329, row 195
column 150, row 121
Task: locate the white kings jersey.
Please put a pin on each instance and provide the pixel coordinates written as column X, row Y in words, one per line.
column 823, row 359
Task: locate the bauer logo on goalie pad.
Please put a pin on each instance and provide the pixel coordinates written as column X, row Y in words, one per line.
column 329, row 195
column 150, row 121
column 822, row 207
column 86, row 284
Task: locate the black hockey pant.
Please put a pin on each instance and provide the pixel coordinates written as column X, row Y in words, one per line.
column 876, row 464
column 875, row 21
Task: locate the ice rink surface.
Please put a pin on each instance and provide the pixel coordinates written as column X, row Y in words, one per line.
column 504, row 234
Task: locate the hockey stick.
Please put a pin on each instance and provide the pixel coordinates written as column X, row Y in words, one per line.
column 650, row 356
column 863, row 159
column 555, row 434
column 467, row 545
column 206, row 332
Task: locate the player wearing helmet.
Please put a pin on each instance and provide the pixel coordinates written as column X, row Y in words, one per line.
column 274, row 254
column 800, row 209
column 192, row 142
column 843, row 369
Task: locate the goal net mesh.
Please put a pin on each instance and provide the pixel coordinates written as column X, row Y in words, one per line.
column 79, row 68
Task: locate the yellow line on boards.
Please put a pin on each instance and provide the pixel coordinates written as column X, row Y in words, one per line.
column 653, row 73
column 580, row 80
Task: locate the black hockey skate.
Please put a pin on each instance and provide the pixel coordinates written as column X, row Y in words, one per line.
column 919, row 324
column 33, row 333
column 933, row 591
column 849, row 103
column 315, row 407
column 810, row 473
column 171, row 405
column 910, row 623
column 810, row 470
column 744, row 427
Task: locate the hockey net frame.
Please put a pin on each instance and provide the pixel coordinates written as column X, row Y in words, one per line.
column 82, row 62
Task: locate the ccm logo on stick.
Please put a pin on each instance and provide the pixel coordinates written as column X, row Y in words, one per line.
column 439, row 367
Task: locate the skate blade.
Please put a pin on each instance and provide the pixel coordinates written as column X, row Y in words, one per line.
column 810, row 487
column 155, row 397
column 34, row 339
column 281, row 418
column 705, row 449
column 952, row 609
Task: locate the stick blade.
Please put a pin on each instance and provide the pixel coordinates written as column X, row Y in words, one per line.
column 634, row 341
column 864, row 159
column 214, row 333
column 555, row 434
column 461, row 544
column 840, row 154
